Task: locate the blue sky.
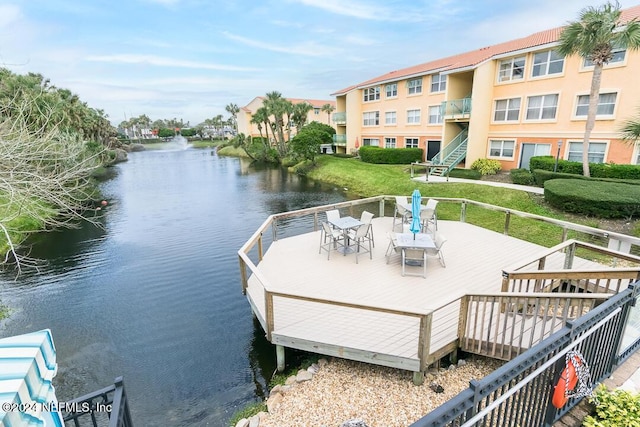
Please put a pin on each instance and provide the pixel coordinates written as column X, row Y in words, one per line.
column 188, row 59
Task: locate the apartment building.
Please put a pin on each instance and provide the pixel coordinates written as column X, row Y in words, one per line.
column 509, row 102
column 315, row 115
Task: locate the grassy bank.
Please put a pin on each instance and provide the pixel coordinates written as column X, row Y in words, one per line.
column 364, row 180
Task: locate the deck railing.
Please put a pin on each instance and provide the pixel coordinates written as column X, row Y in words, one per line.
column 519, row 392
column 502, row 326
column 105, row 407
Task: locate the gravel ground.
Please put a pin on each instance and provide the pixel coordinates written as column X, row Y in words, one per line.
column 382, row 397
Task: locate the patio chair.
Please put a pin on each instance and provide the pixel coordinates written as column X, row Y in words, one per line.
column 366, row 218
column 330, row 238
column 439, row 241
column 430, row 216
column 331, row 215
column 417, row 256
column 358, row 238
column 401, row 211
column 393, row 246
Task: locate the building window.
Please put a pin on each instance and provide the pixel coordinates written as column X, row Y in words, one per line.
column 542, row 107
column 411, row 142
column 373, row 142
column 596, row 152
column 501, row 148
column 414, row 86
column 413, row 116
column 434, row 115
column 371, row 94
column 507, row 110
column 390, row 118
column 371, row 118
column 606, row 105
column 511, row 69
column 548, row 62
column 389, row 143
column 618, row 55
column 438, row 83
column 316, row 111
column 391, row 90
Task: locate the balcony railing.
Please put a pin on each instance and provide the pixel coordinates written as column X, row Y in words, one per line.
column 339, row 118
column 105, row 407
column 456, row 109
column 340, row 140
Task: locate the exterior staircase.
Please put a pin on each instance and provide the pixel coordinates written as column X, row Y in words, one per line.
column 452, row 154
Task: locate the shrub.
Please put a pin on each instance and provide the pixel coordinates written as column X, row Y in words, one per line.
column 540, row 176
column 247, row 412
column 614, row 408
column 394, row 156
column 598, row 170
column 598, row 198
column 465, row 173
column 521, row 176
column 486, row 166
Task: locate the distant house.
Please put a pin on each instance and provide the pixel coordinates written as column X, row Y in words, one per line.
column 509, row 102
column 315, row 115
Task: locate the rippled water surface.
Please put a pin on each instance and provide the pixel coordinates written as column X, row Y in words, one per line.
column 155, row 295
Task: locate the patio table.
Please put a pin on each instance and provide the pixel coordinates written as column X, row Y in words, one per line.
column 345, row 223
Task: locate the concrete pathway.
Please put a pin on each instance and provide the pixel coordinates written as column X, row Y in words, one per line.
column 440, row 179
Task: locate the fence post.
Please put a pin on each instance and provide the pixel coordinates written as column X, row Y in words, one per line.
column 315, row 221
column 274, row 229
column 243, row 275
column 463, row 212
column 424, row 339
column 381, row 208
column 568, row 256
column 268, row 305
column 260, row 253
column 507, row 220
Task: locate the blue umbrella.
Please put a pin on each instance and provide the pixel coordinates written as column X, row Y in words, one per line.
column 416, row 199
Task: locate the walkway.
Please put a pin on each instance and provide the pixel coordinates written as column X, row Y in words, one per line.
column 442, row 179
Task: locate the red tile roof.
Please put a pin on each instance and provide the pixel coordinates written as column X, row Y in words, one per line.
column 475, row 57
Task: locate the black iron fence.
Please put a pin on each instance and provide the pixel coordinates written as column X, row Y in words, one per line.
column 107, row 407
column 520, row 392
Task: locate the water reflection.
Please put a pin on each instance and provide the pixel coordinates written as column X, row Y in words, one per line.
column 154, row 293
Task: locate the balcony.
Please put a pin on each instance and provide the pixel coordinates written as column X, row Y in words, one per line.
column 340, row 140
column 456, row 109
column 339, row 118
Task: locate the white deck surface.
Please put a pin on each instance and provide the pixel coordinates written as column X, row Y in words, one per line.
column 475, row 258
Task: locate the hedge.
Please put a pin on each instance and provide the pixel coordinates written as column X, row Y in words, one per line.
column 521, row 176
column 597, row 170
column 395, row 156
column 598, row 198
column 541, row 176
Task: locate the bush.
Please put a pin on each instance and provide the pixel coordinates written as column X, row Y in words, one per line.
column 392, row 156
column 521, row 177
column 597, row 198
column 464, row 173
column 614, row 408
column 541, row 176
column 598, row 170
column 487, row 166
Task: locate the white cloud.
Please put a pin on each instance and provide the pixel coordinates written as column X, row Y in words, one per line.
column 160, row 61
column 9, row 14
column 305, row 49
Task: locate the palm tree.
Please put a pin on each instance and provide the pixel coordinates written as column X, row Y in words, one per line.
column 598, row 31
column 233, row 110
column 328, row 108
column 631, row 130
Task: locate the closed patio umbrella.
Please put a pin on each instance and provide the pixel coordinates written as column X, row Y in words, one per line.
column 416, row 199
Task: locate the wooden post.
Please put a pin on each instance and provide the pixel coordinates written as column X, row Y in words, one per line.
column 274, row 229
column 507, row 220
column 268, row 302
column 424, row 341
column 418, row 378
column 381, row 208
column 564, row 234
column 315, row 221
column 260, row 247
column 463, row 212
column 280, row 358
column 243, row 275
column 568, row 256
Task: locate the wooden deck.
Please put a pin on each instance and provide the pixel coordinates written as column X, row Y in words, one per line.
column 375, row 314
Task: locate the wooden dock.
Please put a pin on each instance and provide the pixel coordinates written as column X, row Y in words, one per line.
column 368, row 311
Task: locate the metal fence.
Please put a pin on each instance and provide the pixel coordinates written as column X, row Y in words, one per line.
column 107, row 407
column 520, row 392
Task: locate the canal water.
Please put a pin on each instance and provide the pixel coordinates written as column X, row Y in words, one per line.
column 154, row 294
